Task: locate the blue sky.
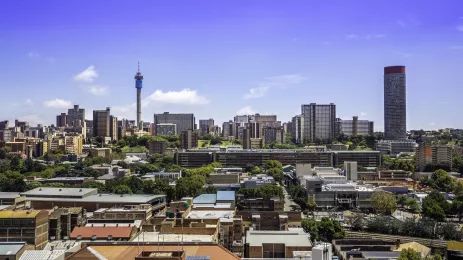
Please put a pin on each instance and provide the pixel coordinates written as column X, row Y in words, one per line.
column 220, row 58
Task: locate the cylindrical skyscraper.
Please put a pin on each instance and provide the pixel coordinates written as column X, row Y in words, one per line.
column 138, row 86
column 395, row 103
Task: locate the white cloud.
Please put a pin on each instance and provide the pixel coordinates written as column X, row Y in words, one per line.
column 282, row 81
column 96, row 90
column 460, row 28
column 380, row 35
column 363, row 113
column 33, row 54
column 432, row 123
column 58, row 103
column 352, row 36
column 87, row 76
column 32, row 119
column 401, row 23
column 28, row 102
column 456, row 47
column 247, row 110
column 256, row 92
column 185, row 96
column 51, row 60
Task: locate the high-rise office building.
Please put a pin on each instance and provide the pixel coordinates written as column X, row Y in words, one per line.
column 61, row 120
column 113, row 133
column 351, row 170
column 184, row 122
column 395, row 103
column 138, row 86
column 205, row 125
column 101, row 123
column 318, row 121
column 296, row 134
column 76, row 115
column 246, row 138
column 228, row 128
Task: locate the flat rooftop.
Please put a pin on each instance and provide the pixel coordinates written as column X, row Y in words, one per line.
column 292, row 237
column 9, row 195
column 158, row 237
column 57, row 192
column 10, row 248
column 106, row 198
column 209, row 214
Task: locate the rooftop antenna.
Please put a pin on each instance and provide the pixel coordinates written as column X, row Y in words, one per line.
column 138, row 66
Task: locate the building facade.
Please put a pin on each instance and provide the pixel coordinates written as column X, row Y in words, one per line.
column 356, row 127
column 296, row 134
column 189, row 139
column 395, row 103
column 318, row 121
column 205, row 126
column 76, row 115
column 433, row 155
column 61, row 120
column 101, row 122
column 183, row 122
column 113, row 128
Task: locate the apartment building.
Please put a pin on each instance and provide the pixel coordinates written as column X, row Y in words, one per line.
column 318, row 121
column 356, row 127
column 433, row 154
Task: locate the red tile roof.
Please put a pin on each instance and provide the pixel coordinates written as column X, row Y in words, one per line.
column 102, row 232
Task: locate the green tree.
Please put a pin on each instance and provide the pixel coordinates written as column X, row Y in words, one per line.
column 209, row 190
column 325, row 230
column 409, row 254
column 15, row 163
column 33, row 184
column 12, row 182
column 412, row 204
column 134, row 183
column 434, row 206
column 442, row 181
column 384, row 202
column 190, row 186
column 122, row 189
column 273, row 164
column 276, row 173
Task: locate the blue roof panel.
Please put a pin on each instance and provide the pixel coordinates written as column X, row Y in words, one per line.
column 226, row 195
column 205, row 199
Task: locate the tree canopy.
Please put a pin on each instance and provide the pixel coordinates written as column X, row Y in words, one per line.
column 384, row 202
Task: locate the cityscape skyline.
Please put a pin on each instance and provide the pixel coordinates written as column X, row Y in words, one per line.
column 241, row 61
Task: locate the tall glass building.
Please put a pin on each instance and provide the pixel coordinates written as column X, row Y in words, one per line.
column 395, row 103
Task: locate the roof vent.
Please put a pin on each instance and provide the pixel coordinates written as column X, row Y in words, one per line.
column 110, row 237
column 93, row 237
column 60, row 189
column 80, row 190
column 79, row 237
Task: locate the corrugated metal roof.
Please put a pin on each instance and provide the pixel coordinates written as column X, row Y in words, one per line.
column 226, row 195
column 41, row 254
column 205, row 199
column 19, row 213
column 101, row 232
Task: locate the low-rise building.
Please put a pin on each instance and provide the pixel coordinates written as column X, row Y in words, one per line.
column 129, row 212
column 170, row 176
column 118, row 233
column 101, row 152
column 89, row 199
column 30, row 226
column 12, row 198
column 225, row 178
column 395, row 147
column 276, row 244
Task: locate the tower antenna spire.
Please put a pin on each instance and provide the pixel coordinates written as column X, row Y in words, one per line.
column 138, row 66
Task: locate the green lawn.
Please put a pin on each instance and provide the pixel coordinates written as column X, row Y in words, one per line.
column 136, row 149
